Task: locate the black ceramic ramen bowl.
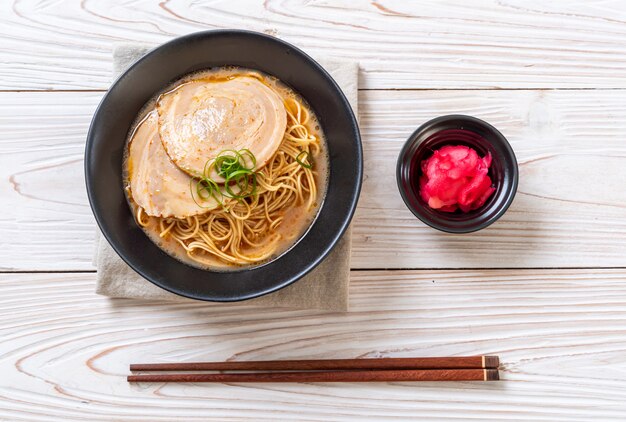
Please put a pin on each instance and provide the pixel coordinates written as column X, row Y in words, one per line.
column 458, row 130
column 153, row 72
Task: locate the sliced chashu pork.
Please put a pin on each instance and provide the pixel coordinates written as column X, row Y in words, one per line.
column 200, row 119
column 156, row 184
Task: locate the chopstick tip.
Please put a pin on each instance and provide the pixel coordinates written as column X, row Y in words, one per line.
column 492, row 375
column 491, row 361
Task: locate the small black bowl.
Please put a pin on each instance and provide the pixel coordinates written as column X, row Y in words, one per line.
column 151, row 74
column 458, row 130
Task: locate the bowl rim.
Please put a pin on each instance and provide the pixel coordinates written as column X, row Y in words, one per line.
column 354, row 195
column 511, row 190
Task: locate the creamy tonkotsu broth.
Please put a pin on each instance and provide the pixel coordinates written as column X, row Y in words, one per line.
column 226, row 168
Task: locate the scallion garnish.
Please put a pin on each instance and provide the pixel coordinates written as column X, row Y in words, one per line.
column 205, row 188
column 305, row 159
column 237, row 170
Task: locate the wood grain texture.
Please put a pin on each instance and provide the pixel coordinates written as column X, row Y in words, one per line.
column 64, row 352
column 400, row 44
column 570, row 210
column 561, row 334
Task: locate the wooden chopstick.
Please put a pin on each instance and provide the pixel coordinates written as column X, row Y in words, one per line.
column 461, row 368
column 330, row 376
column 459, row 362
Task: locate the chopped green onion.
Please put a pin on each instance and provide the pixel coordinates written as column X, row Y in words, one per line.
column 205, row 189
column 247, row 184
column 305, row 159
column 251, row 158
column 237, row 170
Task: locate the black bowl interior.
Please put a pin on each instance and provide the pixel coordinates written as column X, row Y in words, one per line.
column 203, row 50
column 458, row 130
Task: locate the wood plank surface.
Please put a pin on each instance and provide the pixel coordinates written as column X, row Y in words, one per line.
column 570, row 210
column 429, row 44
column 560, row 334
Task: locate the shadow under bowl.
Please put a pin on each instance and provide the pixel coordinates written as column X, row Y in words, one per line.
column 458, row 130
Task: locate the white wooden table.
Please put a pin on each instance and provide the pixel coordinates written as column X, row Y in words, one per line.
column 544, row 288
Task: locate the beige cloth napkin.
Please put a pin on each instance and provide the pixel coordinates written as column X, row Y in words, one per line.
column 326, row 287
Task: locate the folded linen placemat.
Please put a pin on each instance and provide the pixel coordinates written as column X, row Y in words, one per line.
column 326, row 287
